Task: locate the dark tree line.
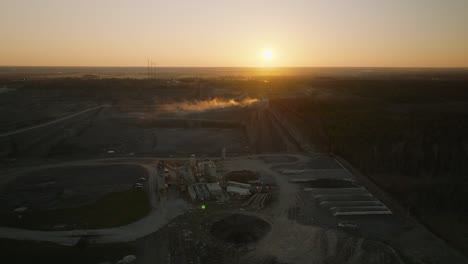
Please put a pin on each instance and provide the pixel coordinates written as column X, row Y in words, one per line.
column 414, row 146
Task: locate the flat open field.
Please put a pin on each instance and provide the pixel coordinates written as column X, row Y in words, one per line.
column 126, row 134
column 74, row 197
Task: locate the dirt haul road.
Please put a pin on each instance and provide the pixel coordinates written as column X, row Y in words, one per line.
column 10, row 133
column 161, row 213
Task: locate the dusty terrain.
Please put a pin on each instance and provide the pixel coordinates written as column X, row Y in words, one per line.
column 72, row 166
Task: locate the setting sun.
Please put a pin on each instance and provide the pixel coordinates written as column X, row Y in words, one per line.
column 267, row 54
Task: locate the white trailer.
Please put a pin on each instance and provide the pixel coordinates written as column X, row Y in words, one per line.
column 238, row 190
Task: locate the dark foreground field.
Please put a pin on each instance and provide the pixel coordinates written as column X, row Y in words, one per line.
column 112, row 210
column 74, row 197
column 35, row 252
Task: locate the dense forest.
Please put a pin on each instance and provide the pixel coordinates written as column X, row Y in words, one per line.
column 409, row 137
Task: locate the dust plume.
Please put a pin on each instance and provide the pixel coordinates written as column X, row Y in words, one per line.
column 206, row 105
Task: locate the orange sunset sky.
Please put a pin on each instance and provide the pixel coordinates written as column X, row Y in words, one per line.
column 212, row 33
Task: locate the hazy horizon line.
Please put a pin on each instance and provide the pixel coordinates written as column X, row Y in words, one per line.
column 253, row 67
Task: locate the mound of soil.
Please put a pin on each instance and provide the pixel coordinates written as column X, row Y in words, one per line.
column 240, row 229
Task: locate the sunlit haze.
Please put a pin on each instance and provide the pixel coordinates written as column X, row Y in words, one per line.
column 212, row 33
